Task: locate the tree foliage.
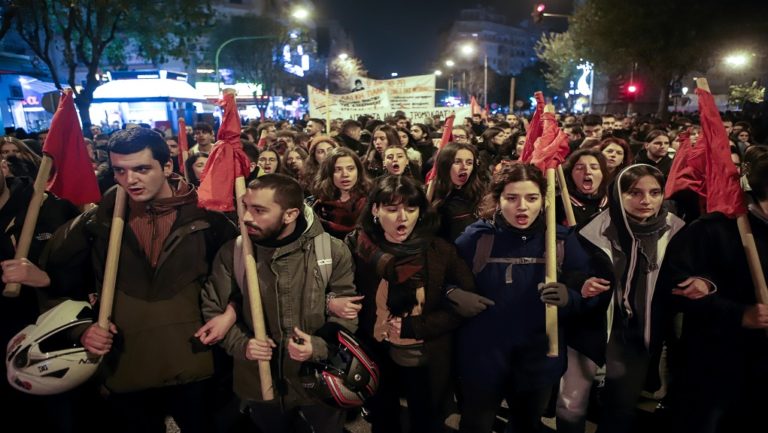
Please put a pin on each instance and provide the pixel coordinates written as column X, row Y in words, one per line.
column 666, row 39
column 343, row 72
column 256, row 60
column 559, row 53
column 741, row 94
column 71, row 35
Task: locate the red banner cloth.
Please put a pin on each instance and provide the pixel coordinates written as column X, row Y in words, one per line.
column 724, row 193
column 688, row 168
column 445, row 139
column 551, row 148
column 534, row 129
column 73, row 176
column 226, row 162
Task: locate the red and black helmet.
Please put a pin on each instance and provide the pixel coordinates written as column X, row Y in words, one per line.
column 348, row 377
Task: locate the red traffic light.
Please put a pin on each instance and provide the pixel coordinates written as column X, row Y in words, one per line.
column 632, row 88
column 540, row 7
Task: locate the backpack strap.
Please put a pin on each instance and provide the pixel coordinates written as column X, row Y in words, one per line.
column 324, row 257
column 482, row 252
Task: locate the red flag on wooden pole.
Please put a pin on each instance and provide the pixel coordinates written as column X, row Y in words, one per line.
column 445, row 139
column 226, row 162
column 73, row 178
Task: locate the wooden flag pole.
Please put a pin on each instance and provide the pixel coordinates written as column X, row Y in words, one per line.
column 12, row 290
column 254, row 292
column 551, row 264
column 566, row 196
column 551, row 258
column 107, row 296
column 747, row 241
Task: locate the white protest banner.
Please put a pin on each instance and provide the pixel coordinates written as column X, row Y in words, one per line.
column 417, row 92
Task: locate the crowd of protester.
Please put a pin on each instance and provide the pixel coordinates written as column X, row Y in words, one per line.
column 442, row 283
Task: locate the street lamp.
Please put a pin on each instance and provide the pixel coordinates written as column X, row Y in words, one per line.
column 343, row 56
column 468, row 49
column 737, row 60
column 438, row 72
column 450, row 63
column 229, row 41
column 300, row 13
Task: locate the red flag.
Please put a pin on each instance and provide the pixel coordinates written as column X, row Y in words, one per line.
column 688, row 168
column 724, row 193
column 447, row 131
column 183, row 145
column 226, row 162
column 551, row 148
column 534, row 129
column 73, row 178
column 474, row 106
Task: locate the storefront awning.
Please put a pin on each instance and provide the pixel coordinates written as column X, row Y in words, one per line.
column 147, row 90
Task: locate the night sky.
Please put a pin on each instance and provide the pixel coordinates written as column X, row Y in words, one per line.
column 402, row 35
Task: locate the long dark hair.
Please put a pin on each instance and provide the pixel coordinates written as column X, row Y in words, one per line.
column 324, row 186
column 392, row 139
column 190, row 163
column 574, row 158
column 473, row 189
column 394, row 190
column 632, row 174
column 511, row 173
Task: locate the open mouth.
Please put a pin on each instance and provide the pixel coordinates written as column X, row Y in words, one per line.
column 521, row 219
column 402, row 230
column 463, row 177
column 587, row 184
column 135, row 190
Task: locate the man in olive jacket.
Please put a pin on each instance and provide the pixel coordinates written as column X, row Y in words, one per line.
column 152, row 365
column 282, row 230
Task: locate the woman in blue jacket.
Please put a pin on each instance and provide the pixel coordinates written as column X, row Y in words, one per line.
column 502, row 352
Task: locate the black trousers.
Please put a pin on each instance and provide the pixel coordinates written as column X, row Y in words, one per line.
column 319, row 418
column 481, row 405
column 145, row 411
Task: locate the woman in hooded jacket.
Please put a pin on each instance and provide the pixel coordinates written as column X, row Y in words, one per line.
column 623, row 312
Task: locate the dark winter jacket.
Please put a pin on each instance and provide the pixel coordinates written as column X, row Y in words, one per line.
column 292, row 295
column 437, row 323
column 156, row 311
column 16, row 313
column 508, row 341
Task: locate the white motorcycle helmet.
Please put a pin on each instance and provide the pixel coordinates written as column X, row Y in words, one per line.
column 43, row 359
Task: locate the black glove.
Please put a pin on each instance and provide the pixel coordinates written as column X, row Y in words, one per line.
column 554, row 294
column 467, row 304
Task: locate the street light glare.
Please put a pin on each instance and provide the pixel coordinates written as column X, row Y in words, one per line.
column 394, row 74
column 300, row 14
column 449, row 63
column 467, row 49
column 736, row 60
column 343, row 56
column 438, row 72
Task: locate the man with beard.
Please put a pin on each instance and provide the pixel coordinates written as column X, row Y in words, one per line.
column 283, row 230
column 152, row 366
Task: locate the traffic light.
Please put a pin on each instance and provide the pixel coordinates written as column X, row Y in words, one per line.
column 628, row 91
column 538, row 13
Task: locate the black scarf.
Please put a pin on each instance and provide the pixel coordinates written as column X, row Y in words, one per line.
column 401, row 265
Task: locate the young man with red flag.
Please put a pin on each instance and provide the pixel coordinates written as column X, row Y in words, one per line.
column 720, row 385
column 152, row 366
